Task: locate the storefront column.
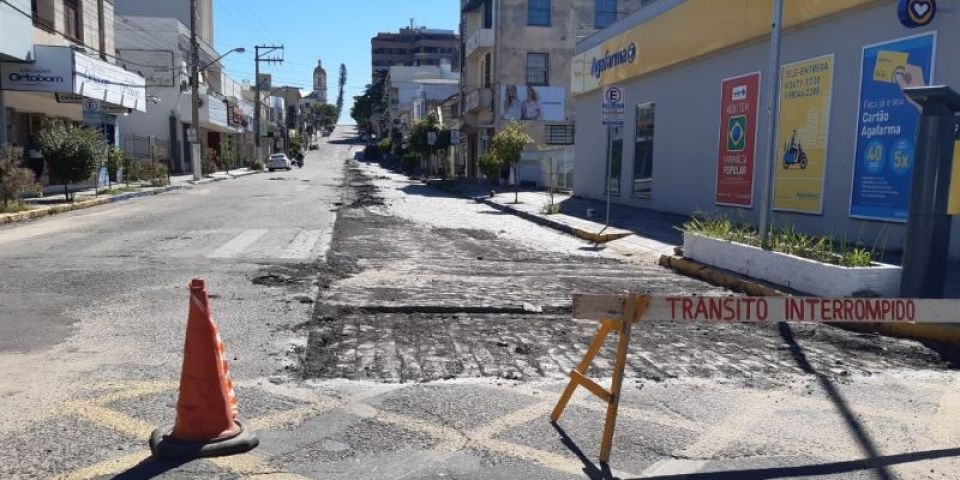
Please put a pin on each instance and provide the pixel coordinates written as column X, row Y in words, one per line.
column 3, row 120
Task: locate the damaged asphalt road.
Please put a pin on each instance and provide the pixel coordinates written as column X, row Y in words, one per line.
column 412, row 300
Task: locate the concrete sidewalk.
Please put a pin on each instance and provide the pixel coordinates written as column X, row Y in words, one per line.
column 641, row 234
column 87, row 197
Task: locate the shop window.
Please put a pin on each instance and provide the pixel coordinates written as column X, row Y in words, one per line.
column 72, row 20
column 43, row 14
column 538, row 13
column 615, row 150
column 643, row 151
column 559, row 134
column 485, row 80
column 605, row 13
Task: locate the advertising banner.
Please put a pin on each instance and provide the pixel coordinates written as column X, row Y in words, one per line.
column 806, row 89
column 738, row 140
column 887, row 126
column 525, row 102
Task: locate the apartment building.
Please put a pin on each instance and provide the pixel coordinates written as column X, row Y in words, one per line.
column 67, row 71
column 517, row 66
column 414, row 46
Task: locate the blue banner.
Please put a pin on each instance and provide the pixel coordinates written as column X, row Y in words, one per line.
column 887, row 126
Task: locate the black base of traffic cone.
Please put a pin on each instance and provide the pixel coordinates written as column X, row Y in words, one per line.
column 166, row 447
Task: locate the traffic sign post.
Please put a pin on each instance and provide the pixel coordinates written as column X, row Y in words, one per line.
column 613, row 107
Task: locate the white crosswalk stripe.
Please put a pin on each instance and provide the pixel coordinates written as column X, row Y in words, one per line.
column 302, row 245
column 238, row 244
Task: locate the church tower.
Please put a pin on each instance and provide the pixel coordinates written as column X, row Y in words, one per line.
column 320, row 82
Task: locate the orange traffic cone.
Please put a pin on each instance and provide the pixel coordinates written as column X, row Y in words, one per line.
column 207, row 424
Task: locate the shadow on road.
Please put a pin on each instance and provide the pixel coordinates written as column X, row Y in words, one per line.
column 853, row 423
column 590, row 469
column 149, row 468
column 806, row 471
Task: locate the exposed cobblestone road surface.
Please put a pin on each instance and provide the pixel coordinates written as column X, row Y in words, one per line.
column 424, row 286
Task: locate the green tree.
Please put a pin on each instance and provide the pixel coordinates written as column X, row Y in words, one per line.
column 507, row 145
column 71, row 153
column 14, row 180
column 327, row 114
column 490, row 166
column 114, row 162
column 366, row 105
column 342, row 83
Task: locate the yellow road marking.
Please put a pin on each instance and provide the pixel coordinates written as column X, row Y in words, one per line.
column 120, row 422
column 109, row 467
column 550, row 460
column 511, row 420
column 295, row 416
column 132, row 391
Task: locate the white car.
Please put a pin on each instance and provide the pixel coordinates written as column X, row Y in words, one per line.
column 279, row 161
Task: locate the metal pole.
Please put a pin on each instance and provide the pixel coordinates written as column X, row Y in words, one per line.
column 195, row 87
column 773, row 107
column 256, row 110
column 609, row 172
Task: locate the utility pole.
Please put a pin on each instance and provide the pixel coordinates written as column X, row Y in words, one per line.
column 195, row 88
column 260, row 55
column 773, row 89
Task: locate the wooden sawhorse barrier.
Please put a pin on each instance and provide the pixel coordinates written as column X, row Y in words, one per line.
column 617, row 314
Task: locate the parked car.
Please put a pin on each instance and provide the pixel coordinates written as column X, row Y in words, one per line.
column 279, row 161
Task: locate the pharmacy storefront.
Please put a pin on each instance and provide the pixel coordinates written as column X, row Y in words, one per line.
column 63, row 83
column 695, row 135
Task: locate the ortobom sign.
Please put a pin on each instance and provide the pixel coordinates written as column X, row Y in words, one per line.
column 52, row 71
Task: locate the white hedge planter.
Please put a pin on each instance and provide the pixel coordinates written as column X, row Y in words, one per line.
column 801, row 274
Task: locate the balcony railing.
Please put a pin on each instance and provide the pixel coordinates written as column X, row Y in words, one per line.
column 481, row 40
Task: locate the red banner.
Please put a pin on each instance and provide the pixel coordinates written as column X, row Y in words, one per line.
column 738, row 140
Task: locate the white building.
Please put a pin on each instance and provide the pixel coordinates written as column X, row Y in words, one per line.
column 57, row 63
column 408, row 87
column 158, row 48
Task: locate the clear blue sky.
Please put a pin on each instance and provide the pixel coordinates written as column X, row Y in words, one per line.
column 336, row 31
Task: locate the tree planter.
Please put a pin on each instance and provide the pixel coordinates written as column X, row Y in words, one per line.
column 801, row 274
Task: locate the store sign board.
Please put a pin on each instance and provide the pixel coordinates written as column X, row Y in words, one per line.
column 887, row 126
column 51, row 72
column 108, row 83
column 806, row 92
column 738, row 140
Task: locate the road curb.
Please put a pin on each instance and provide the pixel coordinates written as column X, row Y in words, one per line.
column 131, row 195
column 44, row 212
column 944, row 334
column 554, row 224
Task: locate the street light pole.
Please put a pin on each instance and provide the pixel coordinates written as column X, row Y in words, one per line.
column 257, row 58
column 195, row 93
column 773, row 89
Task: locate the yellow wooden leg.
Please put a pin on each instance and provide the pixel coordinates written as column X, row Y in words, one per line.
column 629, row 315
column 595, row 346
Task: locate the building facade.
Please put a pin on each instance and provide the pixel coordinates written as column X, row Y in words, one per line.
column 67, row 72
column 414, row 46
column 517, row 56
column 411, row 92
column 695, row 133
column 178, row 9
column 159, row 49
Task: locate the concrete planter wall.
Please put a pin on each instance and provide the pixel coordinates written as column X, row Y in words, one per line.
column 807, row 276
